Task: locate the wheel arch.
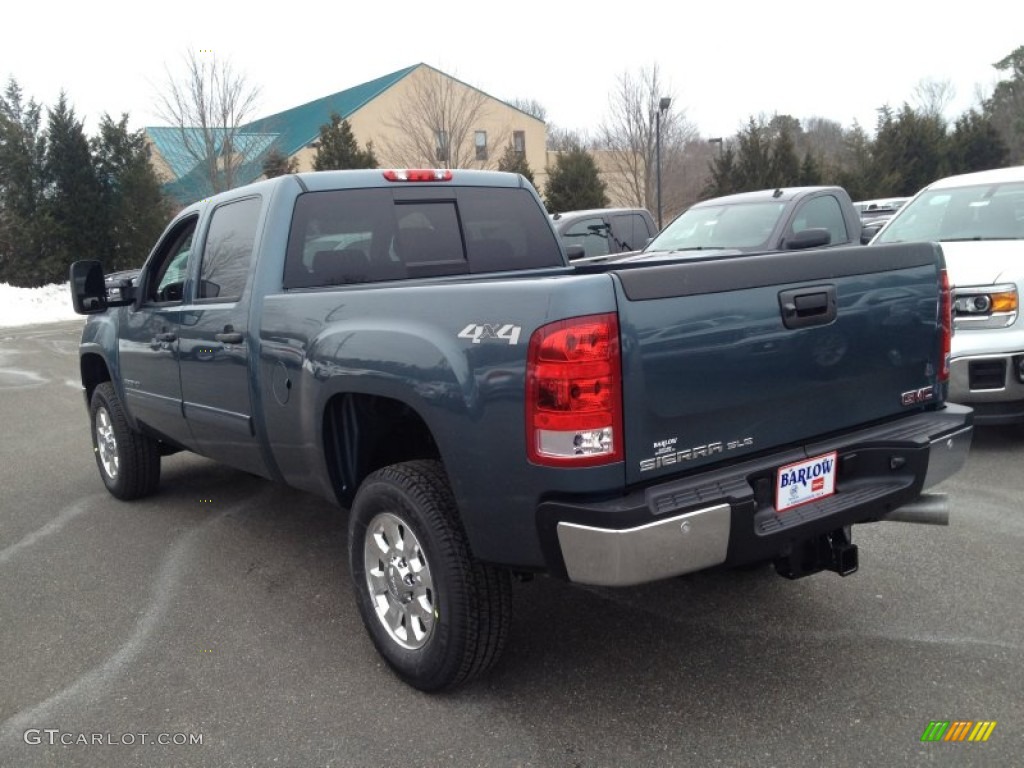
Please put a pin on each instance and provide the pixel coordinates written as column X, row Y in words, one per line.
column 94, row 371
column 363, row 433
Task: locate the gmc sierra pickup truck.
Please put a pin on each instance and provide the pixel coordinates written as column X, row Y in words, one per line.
column 415, row 346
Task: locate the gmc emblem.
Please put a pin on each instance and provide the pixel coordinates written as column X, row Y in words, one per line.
column 917, row 396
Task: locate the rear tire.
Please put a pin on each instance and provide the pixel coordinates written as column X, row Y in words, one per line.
column 129, row 462
column 436, row 615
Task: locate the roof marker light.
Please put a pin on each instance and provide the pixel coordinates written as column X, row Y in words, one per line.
column 419, row 174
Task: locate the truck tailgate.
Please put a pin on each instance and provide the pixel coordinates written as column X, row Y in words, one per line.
column 732, row 356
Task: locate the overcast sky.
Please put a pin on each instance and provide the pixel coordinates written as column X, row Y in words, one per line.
column 722, row 61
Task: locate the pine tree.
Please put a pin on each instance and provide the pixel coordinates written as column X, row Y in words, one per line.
column 137, row 208
column 784, row 165
column 858, row 174
column 909, row 151
column 277, row 164
column 338, row 148
column 724, row 174
column 976, row 145
column 22, row 152
column 72, row 199
column 1005, row 107
column 515, row 162
column 810, row 172
column 753, row 161
column 574, row 183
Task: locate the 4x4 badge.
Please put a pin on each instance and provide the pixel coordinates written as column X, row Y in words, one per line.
column 482, row 332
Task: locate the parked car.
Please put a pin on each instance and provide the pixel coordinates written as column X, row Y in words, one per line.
column 979, row 220
column 873, row 209
column 604, row 231
column 767, row 220
column 874, row 213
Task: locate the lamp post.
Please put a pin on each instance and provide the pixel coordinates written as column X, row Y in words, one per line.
column 663, row 106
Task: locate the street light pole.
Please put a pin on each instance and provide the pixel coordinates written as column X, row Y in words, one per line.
column 663, row 106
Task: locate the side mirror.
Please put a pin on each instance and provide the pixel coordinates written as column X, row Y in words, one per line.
column 809, row 238
column 575, row 251
column 88, row 290
column 868, row 231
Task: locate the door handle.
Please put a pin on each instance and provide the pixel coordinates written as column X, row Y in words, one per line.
column 166, row 336
column 230, row 337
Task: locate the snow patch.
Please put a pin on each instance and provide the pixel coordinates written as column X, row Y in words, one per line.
column 29, row 306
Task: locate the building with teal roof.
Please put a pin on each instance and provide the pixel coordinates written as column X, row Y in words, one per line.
column 416, row 116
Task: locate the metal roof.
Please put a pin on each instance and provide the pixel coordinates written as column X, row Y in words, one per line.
column 298, row 126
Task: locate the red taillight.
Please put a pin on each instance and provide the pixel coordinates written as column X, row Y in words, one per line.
column 946, row 325
column 574, row 393
column 419, row 174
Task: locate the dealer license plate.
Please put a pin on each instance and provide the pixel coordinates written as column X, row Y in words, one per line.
column 805, row 481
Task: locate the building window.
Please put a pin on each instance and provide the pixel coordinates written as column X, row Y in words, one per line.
column 480, row 140
column 441, row 140
column 519, row 142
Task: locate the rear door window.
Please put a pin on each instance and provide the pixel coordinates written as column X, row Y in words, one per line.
column 630, row 230
column 228, row 252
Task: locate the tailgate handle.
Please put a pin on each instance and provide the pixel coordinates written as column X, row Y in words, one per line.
column 803, row 307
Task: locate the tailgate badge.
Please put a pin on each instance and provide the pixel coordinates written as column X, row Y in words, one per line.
column 918, row 396
column 667, row 452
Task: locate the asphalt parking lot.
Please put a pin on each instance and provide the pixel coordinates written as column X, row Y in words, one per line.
column 220, row 609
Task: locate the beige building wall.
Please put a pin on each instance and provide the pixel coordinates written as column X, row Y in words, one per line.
column 390, row 122
column 163, row 170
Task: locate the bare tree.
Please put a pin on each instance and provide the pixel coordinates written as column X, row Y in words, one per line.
column 530, row 106
column 823, row 139
column 629, row 138
column 931, row 97
column 436, row 125
column 208, row 106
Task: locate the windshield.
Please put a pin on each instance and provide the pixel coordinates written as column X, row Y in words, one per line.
column 740, row 225
column 982, row 212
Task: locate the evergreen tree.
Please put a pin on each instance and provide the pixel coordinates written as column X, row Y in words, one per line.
column 22, row 152
column 137, row 208
column 515, row 162
column 724, row 178
column 810, row 172
column 976, row 145
column 753, row 161
column 784, row 165
column 277, row 164
column 338, row 148
column 574, row 183
column 72, row 199
column 857, row 173
column 1005, row 107
column 909, row 151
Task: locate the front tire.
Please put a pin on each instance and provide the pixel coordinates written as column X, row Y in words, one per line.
column 436, row 615
column 129, row 462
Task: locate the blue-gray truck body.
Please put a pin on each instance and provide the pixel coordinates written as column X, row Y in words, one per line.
column 728, row 369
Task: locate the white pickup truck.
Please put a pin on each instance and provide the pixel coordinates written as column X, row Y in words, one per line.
column 979, row 220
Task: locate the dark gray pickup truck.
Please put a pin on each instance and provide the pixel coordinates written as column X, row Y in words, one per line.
column 415, row 346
